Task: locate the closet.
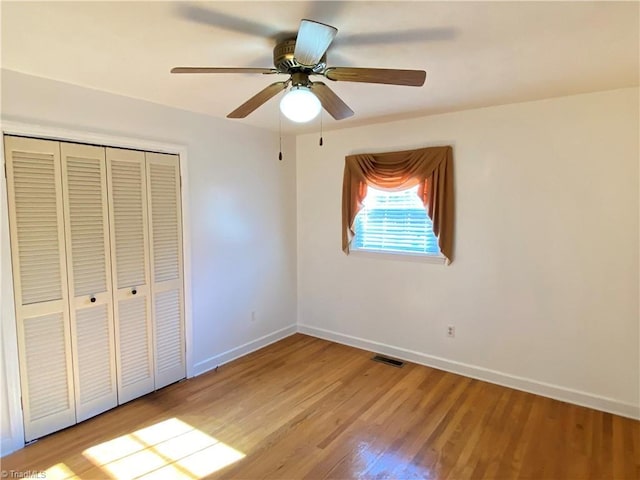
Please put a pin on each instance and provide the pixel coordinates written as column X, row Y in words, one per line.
column 96, row 244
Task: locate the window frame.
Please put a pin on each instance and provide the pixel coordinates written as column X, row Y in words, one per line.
column 438, row 259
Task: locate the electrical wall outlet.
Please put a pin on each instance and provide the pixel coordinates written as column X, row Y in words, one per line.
column 451, row 331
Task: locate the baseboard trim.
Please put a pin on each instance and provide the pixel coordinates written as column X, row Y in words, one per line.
column 493, row 376
column 242, row 350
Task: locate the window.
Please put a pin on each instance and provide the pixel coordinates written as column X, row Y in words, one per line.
column 394, row 222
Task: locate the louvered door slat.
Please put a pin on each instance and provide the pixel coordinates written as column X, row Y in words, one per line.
column 94, row 355
column 48, row 387
column 40, row 284
column 89, row 267
column 134, row 341
column 130, row 266
column 165, row 222
column 127, row 181
column 35, row 194
column 169, row 339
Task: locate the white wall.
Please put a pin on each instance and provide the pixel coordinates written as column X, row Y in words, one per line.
column 543, row 290
column 241, row 205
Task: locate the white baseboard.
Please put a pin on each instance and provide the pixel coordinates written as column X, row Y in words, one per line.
column 519, row 383
column 242, row 350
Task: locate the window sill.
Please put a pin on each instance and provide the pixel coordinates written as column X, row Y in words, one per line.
column 405, row 257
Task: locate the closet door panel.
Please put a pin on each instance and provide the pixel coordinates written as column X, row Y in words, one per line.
column 165, row 225
column 89, row 271
column 130, row 266
column 40, row 284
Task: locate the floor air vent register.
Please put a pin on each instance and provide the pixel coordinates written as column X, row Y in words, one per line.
column 388, row 361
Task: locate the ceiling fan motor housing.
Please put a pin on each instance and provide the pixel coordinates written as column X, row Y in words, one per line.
column 284, row 61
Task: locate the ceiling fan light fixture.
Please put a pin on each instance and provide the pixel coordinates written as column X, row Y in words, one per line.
column 300, row 104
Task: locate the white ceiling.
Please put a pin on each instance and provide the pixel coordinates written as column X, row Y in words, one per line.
column 475, row 53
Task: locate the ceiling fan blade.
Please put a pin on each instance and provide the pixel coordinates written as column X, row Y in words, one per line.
column 312, row 42
column 254, row 102
column 412, row 78
column 211, row 17
column 221, row 70
column 331, row 102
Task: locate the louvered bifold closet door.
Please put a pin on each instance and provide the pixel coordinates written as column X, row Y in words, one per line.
column 40, row 284
column 89, row 271
column 130, row 266
column 165, row 227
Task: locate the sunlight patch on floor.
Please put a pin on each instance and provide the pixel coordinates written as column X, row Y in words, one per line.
column 59, row 471
column 170, row 449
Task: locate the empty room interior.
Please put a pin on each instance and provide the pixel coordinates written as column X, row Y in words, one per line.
column 329, row 239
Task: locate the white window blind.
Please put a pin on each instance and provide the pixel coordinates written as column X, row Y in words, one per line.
column 394, row 222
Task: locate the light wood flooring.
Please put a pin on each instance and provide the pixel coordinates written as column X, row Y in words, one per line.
column 308, row 408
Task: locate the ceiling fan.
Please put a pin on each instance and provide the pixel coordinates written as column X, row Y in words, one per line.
column 301, row 58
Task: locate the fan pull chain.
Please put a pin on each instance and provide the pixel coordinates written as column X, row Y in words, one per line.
column 280, row 131
column 321, row 142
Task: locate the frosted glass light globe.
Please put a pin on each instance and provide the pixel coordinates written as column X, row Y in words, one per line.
column 300, row 104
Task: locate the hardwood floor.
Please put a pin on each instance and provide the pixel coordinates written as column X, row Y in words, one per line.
column 308, row 408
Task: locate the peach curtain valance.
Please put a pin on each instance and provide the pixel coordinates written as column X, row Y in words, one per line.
column 430, row 168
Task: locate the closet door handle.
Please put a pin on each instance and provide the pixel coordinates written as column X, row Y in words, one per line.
column 92, row 299
column 134, row 291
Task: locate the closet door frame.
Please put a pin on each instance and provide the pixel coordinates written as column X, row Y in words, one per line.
column 8, row 322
